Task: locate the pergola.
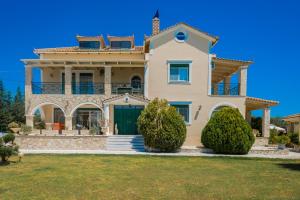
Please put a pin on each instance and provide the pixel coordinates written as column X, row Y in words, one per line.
column 222, row 71
column 253, row 103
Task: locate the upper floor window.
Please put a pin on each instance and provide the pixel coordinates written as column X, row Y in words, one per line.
column 179, row 72
column 120, row 44
column 89, row 44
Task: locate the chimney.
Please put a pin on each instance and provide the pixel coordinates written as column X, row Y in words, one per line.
column 155, row 23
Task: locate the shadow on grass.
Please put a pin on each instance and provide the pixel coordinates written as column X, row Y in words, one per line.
column 291, row 166
column 6, row 163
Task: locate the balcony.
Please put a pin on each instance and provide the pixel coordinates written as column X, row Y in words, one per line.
column 221, row 89
column 88, row 88
column 48, row 88
column 136, row 88
column 130, row 88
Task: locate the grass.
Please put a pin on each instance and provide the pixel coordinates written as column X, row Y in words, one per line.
column 148, row 177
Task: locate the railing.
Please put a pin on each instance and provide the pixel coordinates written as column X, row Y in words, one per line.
column 48, row 88
column 232, row 89
column 88, row 88
column 130, row 88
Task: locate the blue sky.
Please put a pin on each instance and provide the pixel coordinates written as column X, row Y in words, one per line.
column 266, row 32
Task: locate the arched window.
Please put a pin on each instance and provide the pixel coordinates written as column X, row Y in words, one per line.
column 136, row 82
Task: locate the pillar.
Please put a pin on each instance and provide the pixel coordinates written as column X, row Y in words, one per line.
column 28, row 80
column 266, row 122
column 227, row 85
column 146, row 79
column 107, row 80
column 243, row 80
column 68, row 80
column 106, row 118
column 209, row 83
column 29, row 120
column 69, row 122
column 215, row 88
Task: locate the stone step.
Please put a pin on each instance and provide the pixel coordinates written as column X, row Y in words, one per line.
column 125, row 143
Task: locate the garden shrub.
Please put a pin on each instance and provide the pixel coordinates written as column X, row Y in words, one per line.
column 7, row 147
column 26, row 129
column 162, row 126
column 10, row 137
column 282, row 139
column 13, row 125
column 294, row 137
column 228, row 132
column 273, row 134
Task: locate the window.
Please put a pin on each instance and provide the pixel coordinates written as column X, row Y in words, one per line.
column 183, row 109
column 179, row 73
column 120, row 44
column 136, row 82
column 180, row 36
column 89, row 44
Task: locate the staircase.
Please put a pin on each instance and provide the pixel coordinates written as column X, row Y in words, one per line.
column 125, row 143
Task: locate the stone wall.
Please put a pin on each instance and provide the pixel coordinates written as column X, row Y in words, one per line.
column 59, row 142
column 261, row 141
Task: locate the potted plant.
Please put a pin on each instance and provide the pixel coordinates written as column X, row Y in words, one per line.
column 14, row 127
column 282, row 140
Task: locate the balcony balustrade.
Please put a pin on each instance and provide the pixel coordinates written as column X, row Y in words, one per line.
column 130, row 88
column 48, row 88
column 232, row 89
column 88, row 88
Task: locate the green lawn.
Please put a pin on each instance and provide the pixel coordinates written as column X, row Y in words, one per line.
column 146, row 177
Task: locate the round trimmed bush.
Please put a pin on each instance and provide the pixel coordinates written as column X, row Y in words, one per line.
column 7, row 147
column 228, row 132
column 162, row 126
column 10, row 137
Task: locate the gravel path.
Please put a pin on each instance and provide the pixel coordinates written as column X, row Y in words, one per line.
column 291, row 155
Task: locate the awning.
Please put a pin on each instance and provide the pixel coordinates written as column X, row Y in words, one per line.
column 84, row 62
column 253, row 103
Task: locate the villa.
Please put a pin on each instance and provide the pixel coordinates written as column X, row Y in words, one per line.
column 107, row 81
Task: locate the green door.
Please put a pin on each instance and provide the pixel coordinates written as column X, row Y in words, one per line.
column 125, row 119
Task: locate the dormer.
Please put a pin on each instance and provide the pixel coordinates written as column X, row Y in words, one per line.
column 121, row 42
column 88, row 42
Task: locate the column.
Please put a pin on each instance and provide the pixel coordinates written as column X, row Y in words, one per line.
column 146, row 79
column 266, row 122
column 227, row 85
column 248, row 116
column 29, row 120
column 68, row 80
column 28, row 80
column 209, row 83
column 106, row 118
column 215, row 88
column 107, row 80
column 69, row 123
column 243, row 80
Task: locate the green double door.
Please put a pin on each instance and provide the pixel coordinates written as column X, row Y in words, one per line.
column 125, row 119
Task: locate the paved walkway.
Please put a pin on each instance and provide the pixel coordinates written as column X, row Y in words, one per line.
column 291, row 155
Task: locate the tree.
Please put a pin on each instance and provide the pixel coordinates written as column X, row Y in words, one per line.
column 228, row 132
column 162, row 126
column 5, row 114
column 18, row 107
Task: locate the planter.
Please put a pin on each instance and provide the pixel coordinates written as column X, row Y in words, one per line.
column 15, row 130
column 281, row 146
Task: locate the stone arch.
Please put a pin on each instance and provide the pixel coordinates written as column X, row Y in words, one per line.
column 85, row 103
column 46, row 103
column 222, row 104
